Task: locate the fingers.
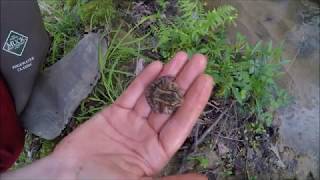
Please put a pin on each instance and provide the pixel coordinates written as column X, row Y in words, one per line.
column 175, row 65
column 191, row 71
column 172, row 69
column 184, row 80
column 129, row 98
column 177, row 128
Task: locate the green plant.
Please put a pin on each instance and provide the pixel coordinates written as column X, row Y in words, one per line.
column 241, row 71
column 24, row 157
column 252, row 178
column 163, row 4
column 256, row 128
column 115, row 76
column 247, row 73
column 191, row 28
column 66, row 22
column 227, row 173
column 96, row 12
column 203, row 161
column 46, row 148
column 34, row 148
column 65, row 28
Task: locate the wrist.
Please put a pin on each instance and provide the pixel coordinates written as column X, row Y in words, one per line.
column 64, row 167
column 50, row 167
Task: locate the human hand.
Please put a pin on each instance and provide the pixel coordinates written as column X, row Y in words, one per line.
column 127, row 140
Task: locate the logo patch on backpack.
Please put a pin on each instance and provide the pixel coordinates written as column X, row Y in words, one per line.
column 15, row 43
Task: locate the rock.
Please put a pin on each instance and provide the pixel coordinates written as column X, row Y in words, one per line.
column 299, row 130
column 60, row 89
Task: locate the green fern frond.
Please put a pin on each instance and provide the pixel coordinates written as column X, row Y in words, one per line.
column 191, row 10
column 220, row 16
column 193, row 25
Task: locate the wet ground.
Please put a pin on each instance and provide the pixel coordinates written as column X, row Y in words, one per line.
column 296, row 24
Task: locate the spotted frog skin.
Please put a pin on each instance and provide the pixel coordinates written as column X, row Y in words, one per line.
column 164, row 95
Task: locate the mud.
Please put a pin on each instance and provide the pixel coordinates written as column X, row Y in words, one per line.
column 295, row 24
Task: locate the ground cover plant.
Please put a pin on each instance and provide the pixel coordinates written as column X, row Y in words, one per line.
column 235, row 132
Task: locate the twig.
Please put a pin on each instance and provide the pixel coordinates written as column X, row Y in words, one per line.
column 207, row 112
column 196, row 136
column 219, row 133
column 207, row 132
column 224, row 137
column 214, row 106
column 207, row 120
column 220, row 129
column 214, row 102
column 274, row 149
column 202, row 121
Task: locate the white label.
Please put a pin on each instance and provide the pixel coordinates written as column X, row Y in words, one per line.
column 15, row 43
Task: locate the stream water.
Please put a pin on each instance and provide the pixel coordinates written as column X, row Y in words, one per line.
column 296, row 24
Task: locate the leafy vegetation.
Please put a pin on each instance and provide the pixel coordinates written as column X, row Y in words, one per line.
column 202, row 161
column 93, row 12
column 34, row 148
column 191, row 29
column 67, row 21
column 115, row 76
column 243, row 72
column 63, row 26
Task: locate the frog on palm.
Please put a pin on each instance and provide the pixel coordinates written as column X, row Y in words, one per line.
column 164, row 96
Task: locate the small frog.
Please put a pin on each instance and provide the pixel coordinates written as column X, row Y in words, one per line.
column 164, row 95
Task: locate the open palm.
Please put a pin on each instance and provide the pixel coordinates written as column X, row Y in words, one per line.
column 127, row 139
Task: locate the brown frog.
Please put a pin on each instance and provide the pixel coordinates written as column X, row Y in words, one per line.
column 163, row 95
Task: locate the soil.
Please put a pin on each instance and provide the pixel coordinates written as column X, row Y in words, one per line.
column 220, row 136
